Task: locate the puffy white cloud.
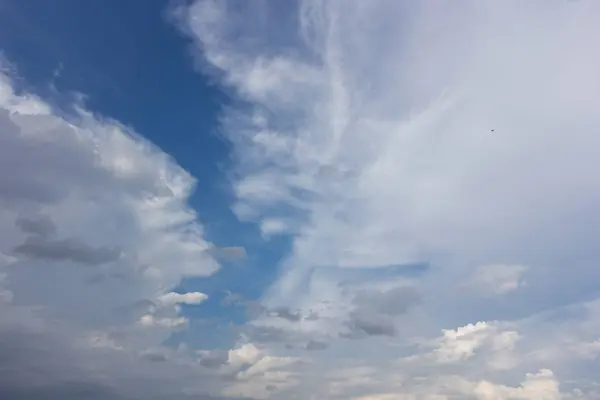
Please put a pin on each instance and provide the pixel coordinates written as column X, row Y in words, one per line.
column 246, row 354
column 461, row 343
column 94, row 222
column 149, row 321
column 541, row 385
column 255, row 373
column 191, row 298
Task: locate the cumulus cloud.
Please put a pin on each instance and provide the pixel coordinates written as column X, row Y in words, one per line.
column 85, row 200
column 190, row 298
column 389, row 134
column 256, row 373
column 541, row 385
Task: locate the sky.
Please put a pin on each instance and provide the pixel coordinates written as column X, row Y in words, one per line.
column 342, row 199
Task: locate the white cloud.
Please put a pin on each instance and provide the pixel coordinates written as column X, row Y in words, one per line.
column 492, row 344
column 394, row 133
column 256, row 373
column 175, row 323
column 541, row 385
column 390, row 149
column 461, row 343
column 190, row 298
column 94, row 222
column 273, row 226
column 246, row 354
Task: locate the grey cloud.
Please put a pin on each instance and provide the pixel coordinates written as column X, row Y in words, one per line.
column 46, row 172
column 105, row 278
column 96, row 279
column 66, row 250
column 143, row 305
column 36, row 366
column 314, row 345
column 267, row 334
column 84, row 346
column 90, row 391
column 361, row 324
column 392, row 302
column 40, row 225
column 36, row 171
column 228, row 252
column 287, row 314
column 214, row 359
column 374, row 311
column 373, row 315
column 63, row 391
column 155, row 356
column 45, row 365
column 135, row 310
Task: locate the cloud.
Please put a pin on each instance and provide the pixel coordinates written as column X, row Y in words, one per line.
column 40, row 225
column 256, row 373
column 433, row 133
column 314, row 345
column 273, row 226
column 171, row 323
column 228, row 252
column 499, row 279
column 85, row 199
column 286, row 313
column 541, row 385
column 190, row 298
column 40, row 245
column 370, row 156
column 462, row 343
column 66, row 250
column 371, row 326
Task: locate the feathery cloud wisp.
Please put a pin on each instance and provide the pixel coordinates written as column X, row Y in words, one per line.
column 454, row 134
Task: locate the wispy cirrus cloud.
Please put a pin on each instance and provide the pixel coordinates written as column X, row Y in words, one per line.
column 458, row 135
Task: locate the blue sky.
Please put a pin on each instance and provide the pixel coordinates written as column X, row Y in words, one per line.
column 299, row 200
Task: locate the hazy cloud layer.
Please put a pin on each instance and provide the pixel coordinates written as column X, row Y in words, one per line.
column 380, row 134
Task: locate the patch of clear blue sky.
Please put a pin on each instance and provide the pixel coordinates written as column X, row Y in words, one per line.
column 136, row 68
